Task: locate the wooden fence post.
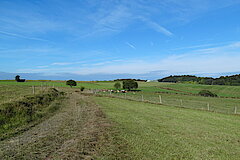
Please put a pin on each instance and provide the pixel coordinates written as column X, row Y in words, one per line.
column 235, row 110
column 208, row 106
column 160, row 99
column 142, row 98
column 33, row 89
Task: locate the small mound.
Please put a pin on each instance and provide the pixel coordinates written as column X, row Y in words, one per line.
column 207, row 93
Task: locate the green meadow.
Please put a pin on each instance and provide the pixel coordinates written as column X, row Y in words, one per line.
column 173, row 94
column 181, row 88
column 158, row 121
column 164, row 132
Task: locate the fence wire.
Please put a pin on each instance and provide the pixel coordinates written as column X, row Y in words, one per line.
column 221, row 106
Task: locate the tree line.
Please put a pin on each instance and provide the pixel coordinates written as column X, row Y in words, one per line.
column 233, row 80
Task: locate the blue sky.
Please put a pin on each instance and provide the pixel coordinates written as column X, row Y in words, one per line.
column 106, row 39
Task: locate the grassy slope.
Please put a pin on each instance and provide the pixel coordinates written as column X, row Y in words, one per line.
column 15, row 117
column 160, row 132
column 226, row 91
column 88, row 85
column 223, row 105
column 12, row 92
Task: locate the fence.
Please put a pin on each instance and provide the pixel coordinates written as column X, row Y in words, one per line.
column 13, row 93
column 220, row 105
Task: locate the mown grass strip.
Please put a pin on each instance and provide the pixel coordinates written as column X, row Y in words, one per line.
column 164, row 132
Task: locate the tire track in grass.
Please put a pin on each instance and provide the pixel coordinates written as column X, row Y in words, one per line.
column 78, row 131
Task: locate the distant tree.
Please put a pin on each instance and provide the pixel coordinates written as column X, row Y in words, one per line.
column 130, row 84
column 117, row 85
column 71, row 83
column 17, row 78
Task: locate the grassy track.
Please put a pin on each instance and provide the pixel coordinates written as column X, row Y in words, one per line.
column 78, row 131
column 163, row 132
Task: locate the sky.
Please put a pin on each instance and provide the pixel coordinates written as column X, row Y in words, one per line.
column 108, row 39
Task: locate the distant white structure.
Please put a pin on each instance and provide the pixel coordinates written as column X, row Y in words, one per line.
column 151, row 80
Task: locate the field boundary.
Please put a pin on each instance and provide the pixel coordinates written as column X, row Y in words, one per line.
column 189, row 93
column 207, row 108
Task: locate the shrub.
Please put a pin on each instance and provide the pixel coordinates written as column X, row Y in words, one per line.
column 207, row 93
column 71, row 83
column 117, row 85
column 82, row 88
column 130, row 84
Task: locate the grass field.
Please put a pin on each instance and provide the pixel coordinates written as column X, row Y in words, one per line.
column 163, row 132
column 13, row 92
column 130, row 129
column 88, row 85
column 175, row 94
column 220, row 90
column 152, row 87
column 223, row 105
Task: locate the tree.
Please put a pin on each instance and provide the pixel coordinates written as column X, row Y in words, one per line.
column 130, row 84
column 71, row 83
column 117, row 85
column 17, row 78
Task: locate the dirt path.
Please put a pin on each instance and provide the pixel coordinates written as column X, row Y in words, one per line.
column 75, row 132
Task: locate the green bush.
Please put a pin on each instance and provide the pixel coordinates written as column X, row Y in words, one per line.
column 117, row 85
column 71, row 83
column 82, row 88
column 130, row 84
column 207, row 93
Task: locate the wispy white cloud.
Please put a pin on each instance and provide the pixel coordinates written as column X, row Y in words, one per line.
column 29, row 70
column 157, row 27
column 61, row 63
column 22, row 36
column 207, row 60
column 202, row 46
column 130, row 45
column 108, row 16
column 46, row 66
column 89, row 63
column 114, row 19
column 27, row 50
